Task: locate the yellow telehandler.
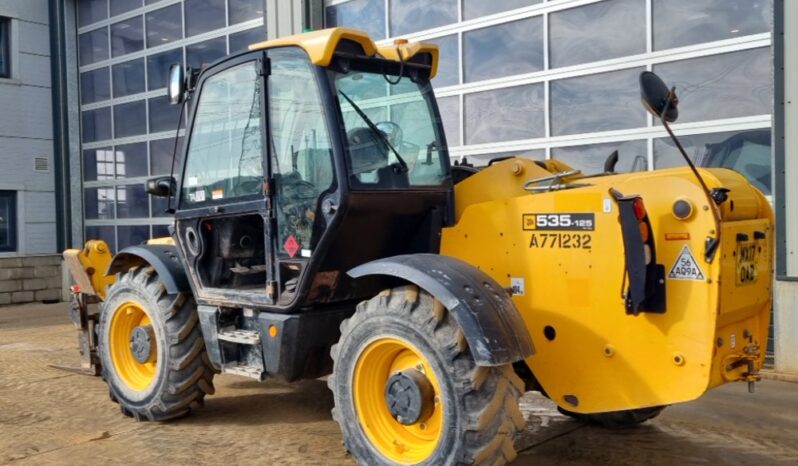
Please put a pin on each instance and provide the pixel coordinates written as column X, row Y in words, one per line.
column 320, row 230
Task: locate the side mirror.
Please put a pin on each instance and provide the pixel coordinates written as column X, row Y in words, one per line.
column 162, row 186
column 176, row 84
column 657, row 98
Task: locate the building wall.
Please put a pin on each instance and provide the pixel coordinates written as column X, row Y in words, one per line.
column 558, row 79
column 126, row 129
column 26, row 128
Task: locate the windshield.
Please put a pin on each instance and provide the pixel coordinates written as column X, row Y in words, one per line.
column 392, row 134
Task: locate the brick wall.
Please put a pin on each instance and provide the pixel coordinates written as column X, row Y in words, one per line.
column 30, row 279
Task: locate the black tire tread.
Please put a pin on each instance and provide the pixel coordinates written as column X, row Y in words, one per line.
column 189, row 374
column 490, row 394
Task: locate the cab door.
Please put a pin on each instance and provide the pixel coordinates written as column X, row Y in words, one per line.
column 302, row 172
column 224, row 211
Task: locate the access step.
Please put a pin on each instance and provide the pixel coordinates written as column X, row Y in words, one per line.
column 242, row 337
column 243, row 370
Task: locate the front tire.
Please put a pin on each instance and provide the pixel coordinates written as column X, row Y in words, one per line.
column 470, row 419
column 151, row 349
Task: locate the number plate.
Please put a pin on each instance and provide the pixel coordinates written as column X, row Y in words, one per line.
column 747, row 253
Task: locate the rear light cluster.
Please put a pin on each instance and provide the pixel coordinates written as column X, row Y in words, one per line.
column 645, row 229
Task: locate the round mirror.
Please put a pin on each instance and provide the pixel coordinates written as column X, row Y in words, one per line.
column 176, row 87
column 655, row 95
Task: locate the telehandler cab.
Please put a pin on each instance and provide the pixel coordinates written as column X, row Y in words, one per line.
column 318, row 231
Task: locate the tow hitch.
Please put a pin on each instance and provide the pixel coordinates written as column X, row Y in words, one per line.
column 734, row 363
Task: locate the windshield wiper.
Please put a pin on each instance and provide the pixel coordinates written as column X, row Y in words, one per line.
column 382, row 137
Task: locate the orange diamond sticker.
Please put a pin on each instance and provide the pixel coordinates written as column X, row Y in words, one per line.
column 291, row 246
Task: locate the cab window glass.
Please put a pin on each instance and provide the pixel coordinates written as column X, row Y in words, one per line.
column 301, row 149
column 408, row 131
column 224, row 155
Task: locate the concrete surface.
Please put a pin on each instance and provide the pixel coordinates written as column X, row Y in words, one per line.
column 49, row 416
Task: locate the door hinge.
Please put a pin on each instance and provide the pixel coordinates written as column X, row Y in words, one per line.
column 265, row 66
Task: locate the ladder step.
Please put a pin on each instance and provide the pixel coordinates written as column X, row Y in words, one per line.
column 243, row 337
column 243, row 370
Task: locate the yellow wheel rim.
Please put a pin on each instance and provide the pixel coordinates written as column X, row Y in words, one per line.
column 136, row 375
column 404, row 444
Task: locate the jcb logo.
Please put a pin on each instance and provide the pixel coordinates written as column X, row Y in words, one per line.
column 557, row 222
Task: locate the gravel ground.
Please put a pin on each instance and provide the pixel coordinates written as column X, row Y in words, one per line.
column 49, row 416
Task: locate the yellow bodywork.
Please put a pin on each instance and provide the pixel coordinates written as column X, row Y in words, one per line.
column 602, row 358
column 88, row 265
column 321, row 45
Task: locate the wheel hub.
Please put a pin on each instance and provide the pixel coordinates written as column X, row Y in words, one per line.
column 410, row 396
column 142, row 343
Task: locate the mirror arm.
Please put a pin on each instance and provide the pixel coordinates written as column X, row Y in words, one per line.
column 710, row 198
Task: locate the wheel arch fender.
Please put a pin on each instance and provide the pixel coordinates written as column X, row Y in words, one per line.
column 163, row 258
column 493, row 327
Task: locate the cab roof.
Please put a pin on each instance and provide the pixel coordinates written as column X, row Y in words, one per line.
column 321, row 46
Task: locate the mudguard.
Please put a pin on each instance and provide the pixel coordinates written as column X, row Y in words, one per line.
column 162, row 257
column 490, row 321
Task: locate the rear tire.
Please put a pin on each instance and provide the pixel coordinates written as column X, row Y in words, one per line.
column 178, row 374
column 616, row 419
column 477, row 413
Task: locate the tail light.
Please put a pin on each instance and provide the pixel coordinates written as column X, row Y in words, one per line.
column 646, row 278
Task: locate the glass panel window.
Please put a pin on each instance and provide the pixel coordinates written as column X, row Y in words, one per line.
column 8, row 221
column 204, row 53
column 415, row 15
column 482, row 160
column 128, row 78
column 302, row 155
column 161, row 151
column 599, row 31
column 164, row 25
column 159, row 205
column 163, row 115
column 95, row 85
column 746, row 152
column 505, row 114
column 684, row 22
column 366, row 15
column 105, row 233
column 131, row 201
column 448, row 61
column 158, row 67
column 632, row 156
column 244, row 10
column 224, row 156
column 96, row 124
column 131, row 160
column 98, row 164
column 476, row 8
column 123, row 6
column 93, row 46
column 449, row 108
column 131, row 235
column 599, row 102
column 203, row 16
column 160, row 231
column 99, row 203
column 5, row 47
column 239, row 41
column 722, row 86
column 503, row 50
column 91, row 11
column 410, row 152
column 130, row 119
column 127, row 36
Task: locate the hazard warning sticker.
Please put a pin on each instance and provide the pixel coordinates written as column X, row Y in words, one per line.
column 686, row 267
